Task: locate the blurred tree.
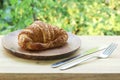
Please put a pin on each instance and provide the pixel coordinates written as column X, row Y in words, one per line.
column 1, row 4
column 81, row 17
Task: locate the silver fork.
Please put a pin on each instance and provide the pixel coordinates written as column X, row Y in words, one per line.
column 103, row 55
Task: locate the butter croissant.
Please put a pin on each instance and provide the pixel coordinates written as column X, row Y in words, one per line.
column 41, row 36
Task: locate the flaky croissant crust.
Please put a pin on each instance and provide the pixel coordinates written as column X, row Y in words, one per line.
column 40, row 36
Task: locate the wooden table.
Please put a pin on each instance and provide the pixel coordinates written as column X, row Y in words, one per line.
column 14, row 68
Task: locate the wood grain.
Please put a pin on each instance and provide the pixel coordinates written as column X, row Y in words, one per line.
column 69, row 76
column 15, row 68
column 10, row 42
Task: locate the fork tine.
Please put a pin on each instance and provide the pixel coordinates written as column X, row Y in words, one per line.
column 110, row 49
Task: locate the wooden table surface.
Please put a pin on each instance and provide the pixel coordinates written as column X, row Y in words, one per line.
column 14, row 68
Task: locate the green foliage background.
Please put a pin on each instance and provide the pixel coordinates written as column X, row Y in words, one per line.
column 81, row 17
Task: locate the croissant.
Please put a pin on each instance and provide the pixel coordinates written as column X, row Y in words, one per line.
column 41, row 36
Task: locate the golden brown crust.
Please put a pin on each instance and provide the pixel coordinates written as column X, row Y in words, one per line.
column 40, row 36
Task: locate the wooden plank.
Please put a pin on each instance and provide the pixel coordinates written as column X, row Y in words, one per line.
column 60, row 76
column 11, row 64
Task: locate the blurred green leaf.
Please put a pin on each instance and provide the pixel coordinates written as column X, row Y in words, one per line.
column 81, row 17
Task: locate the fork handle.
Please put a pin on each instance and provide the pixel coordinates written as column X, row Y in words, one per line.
column 72, row 64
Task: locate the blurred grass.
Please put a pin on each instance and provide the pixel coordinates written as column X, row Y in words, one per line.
column 81, row 17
